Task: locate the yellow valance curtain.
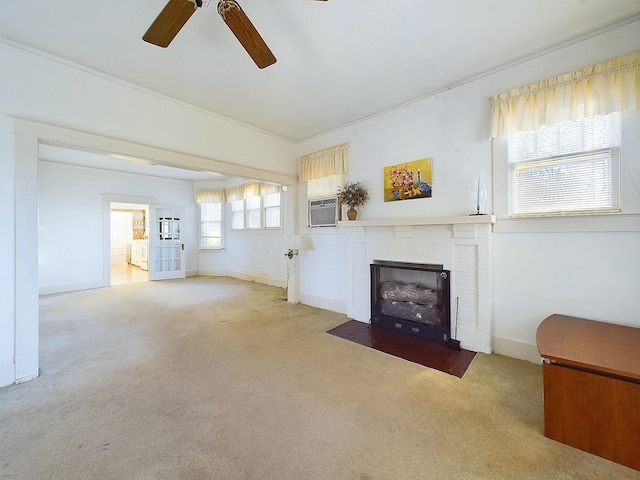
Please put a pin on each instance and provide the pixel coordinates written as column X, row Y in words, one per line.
column 252, row 189
column 330, row 161
column 210, row 195
column 600, row 89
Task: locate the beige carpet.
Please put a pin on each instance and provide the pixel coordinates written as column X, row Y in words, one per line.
column 211, row 378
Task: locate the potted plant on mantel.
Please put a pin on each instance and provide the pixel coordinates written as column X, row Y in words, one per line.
column 353, row 195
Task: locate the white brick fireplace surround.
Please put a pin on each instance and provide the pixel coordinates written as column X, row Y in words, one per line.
column 461, row 244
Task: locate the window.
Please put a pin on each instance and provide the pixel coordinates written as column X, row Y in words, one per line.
column 253, row 212
column 324, row 187
column 237, row 214
column 257, row 212
column 210, row 225
column 571, row 167
column 323, row 171
column 272, row 210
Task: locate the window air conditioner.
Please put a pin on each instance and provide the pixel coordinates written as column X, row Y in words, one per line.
column 323, row 213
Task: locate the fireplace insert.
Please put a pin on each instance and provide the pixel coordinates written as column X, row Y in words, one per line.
column 413, row 299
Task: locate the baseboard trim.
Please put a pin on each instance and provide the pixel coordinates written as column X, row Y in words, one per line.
column 516, row 349
column 212, row 273
column 249, row 277
column 324, row 303
column 27, row 366
column 69, row 287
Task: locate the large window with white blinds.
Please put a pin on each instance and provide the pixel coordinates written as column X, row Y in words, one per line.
column 568, row 168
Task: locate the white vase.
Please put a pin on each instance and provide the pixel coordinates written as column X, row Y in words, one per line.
column 479, row 194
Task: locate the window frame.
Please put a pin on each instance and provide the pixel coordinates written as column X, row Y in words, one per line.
column 245, row 212
column 627, row 220
column 202, row 236
column 553, row 157
column 250, row 212
column 265, row 208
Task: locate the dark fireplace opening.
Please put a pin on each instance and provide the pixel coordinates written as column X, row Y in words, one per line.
column 413, row 299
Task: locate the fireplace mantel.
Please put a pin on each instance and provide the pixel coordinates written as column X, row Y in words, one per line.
column 461, row 244
column 390, row 222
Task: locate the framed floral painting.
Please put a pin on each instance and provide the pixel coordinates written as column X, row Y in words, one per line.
column 407, row 181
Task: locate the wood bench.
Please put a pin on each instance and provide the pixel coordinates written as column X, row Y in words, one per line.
column 591, row 377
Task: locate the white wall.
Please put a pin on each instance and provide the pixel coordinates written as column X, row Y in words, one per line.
column 451, row 127
column 73, row 105
column 72, row 249
column 88, row 101
column 250, row 255
column 539, row 270
column 7, row 259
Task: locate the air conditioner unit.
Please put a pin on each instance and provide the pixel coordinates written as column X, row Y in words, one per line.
column 323, row 213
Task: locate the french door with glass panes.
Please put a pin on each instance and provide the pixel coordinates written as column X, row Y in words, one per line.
column 166, row 245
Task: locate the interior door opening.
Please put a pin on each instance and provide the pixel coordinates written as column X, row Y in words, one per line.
column 129, row 225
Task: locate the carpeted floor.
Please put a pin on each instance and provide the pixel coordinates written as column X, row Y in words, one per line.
column 211, row 378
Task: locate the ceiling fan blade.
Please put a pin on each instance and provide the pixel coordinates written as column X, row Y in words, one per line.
column 169, row 22
column 246, row 33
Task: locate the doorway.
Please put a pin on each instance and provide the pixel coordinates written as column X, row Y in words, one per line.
column 129, row 225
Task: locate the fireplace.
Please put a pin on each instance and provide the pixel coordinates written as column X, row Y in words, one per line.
column 413, row 299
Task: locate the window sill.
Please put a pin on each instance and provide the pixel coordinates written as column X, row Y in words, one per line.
column 257, row 231
column 210, row 248
column 418, row 221
column 613, row 222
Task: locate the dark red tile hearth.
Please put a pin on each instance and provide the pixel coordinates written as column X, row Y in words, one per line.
column 413, row 349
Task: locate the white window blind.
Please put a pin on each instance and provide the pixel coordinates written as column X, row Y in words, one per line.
column 324, row 187
column 571, row 167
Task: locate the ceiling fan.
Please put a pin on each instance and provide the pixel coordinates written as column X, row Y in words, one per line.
column 176, row 13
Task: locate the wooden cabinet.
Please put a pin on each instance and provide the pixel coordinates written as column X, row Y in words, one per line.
column 140, row 254
column 591, row 376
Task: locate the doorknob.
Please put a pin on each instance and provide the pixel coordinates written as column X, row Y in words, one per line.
column 183, row 247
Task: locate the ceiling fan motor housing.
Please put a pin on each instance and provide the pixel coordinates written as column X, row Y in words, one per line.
column 225, row 5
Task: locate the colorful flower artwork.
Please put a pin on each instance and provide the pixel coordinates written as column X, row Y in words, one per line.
column 407, row 181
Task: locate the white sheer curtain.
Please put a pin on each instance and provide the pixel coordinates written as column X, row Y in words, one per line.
column 210, row 195
column 611, row 86
column 251, row 189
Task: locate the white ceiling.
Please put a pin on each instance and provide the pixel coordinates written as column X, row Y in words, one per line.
column 338, row 61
